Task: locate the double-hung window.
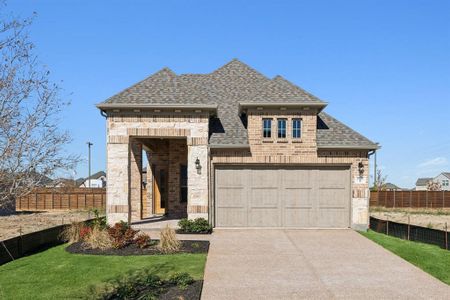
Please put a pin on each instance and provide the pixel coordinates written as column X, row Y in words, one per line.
column 267, row 128
column 281, row 128
column 296, row 128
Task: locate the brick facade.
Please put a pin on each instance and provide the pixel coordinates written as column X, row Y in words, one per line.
column 301, row 151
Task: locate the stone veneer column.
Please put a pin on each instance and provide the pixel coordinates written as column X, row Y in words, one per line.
column 360, row 196
column 117, row 208
column 197, row 206
column 135, row 180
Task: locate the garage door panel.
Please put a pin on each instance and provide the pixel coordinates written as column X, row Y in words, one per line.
column 231, row 217
column 264, row 217
column 332, row 198
column 332, row 217
column 264, row 198
column 266, row 179
column 299, row 217
column 297, row 198
column 292, row 178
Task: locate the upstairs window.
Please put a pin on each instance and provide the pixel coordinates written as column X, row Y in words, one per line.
column 267, row 128
column 281, row 128
column 296, row 128
column 445, row 182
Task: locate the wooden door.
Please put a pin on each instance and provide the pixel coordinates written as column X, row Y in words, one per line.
column 160, row 190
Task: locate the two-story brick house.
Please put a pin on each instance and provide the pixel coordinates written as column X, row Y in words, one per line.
column 235, row 147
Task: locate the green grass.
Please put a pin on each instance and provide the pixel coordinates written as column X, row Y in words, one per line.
column 430, row 258
column 57, row 274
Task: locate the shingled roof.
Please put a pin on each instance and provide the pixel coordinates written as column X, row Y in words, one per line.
column 227, row 88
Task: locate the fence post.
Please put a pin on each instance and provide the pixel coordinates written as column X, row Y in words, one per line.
column 387, row 225
column 446, row 236
column 394, row 199
column 443, row 199
column 426, row 199
column 410, row 199
column 409, row 227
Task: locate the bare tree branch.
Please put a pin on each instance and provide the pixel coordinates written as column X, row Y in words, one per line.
column 31, row 143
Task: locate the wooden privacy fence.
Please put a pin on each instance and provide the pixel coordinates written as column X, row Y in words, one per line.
column 411, row 199
column 62, row 199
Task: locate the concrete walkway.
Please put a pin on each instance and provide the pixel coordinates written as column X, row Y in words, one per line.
column 313, row 264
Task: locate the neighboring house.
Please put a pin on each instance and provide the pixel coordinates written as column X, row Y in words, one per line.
column 444, row 180
column 62, row 182
column 97, row 180
column 236, row 148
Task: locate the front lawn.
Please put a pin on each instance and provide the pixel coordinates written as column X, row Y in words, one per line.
column 57, row 274
column 430, row 258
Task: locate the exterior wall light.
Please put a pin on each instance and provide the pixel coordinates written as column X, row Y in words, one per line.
column 361, row 168
column 198, row 166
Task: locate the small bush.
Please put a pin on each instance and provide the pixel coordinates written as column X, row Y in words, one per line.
column 199, row 225
column 122, row 235
column 98, row 221
column 168, row 241
column 98, row 239
column 71, row 234
column 142, row 240
column 182, row 280
column 137, row 285
column 85, row 231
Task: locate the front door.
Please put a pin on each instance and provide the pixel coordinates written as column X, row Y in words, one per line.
column 160, row 189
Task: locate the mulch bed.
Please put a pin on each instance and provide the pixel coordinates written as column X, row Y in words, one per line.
column 186, row 247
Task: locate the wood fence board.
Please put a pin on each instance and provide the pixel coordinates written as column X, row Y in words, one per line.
column 413, row 199
column 62, row 199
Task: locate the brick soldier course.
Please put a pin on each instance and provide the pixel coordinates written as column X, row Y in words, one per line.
column 205, row 121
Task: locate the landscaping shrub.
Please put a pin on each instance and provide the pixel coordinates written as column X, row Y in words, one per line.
column 85, row 231
column 122, row 235
column 140, row 284
column 98, row 221
column 199, row 225
column 182, row 280
column 71, row 234
column 168, row 241
column 142, row 240
column 98, row 239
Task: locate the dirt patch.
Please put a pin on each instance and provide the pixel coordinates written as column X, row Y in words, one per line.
column 27, row 222
column 425, row 219
column 186, row 247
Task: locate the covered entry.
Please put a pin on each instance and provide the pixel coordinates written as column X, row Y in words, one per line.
column 303, row 197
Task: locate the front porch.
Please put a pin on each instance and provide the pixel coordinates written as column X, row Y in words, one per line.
column 176, row 183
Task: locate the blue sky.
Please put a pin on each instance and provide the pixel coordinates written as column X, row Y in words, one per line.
column 383, row 66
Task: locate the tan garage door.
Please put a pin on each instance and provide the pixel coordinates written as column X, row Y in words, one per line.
column 282, row 197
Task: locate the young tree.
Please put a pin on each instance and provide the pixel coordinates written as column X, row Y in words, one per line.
column 380, row 181
column 31, row 144
column 433, row 186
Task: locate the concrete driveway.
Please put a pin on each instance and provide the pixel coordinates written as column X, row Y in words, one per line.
column 296, row 264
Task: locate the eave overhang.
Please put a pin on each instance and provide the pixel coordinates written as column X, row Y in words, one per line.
column 212, row 108
column 243, row 106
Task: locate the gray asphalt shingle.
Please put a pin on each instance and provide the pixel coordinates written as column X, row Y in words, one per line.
column 231, row 84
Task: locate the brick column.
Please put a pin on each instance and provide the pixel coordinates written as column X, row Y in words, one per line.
column 117, row 208
column 135, row 180
column 197, row 205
